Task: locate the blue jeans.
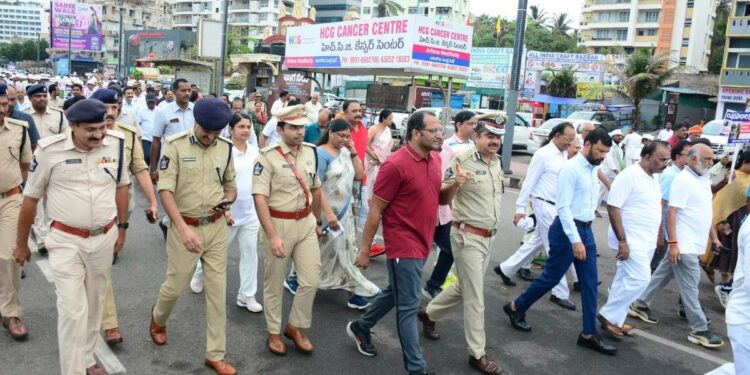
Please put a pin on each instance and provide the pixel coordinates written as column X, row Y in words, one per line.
column 405, row 276
column 146, row 151
column 442, row 239
column 560, row 258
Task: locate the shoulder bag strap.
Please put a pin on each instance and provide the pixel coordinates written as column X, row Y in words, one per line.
column 296, row 174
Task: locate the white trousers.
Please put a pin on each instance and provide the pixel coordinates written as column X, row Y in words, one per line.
column 545, row 213
column 247, row 236
column 739, row 335
column 631, row 279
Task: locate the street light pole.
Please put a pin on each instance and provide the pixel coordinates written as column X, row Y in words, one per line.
column 513, row 92
column 38, row 42
column 70, row 61
column 119, row 50
column 224, row 26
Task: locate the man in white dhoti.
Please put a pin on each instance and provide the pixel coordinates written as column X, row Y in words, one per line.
column 633, row 231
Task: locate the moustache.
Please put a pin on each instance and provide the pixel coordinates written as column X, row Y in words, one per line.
column 95, row 139
column 109, row 118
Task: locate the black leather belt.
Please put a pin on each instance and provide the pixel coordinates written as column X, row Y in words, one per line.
column 544, row 200
column 584, row 224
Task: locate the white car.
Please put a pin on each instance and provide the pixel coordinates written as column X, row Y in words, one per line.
column 538, row 136
column 713, row 130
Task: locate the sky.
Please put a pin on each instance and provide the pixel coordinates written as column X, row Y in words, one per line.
column 509, row 8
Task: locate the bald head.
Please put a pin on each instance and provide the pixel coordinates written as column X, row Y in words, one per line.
column 11, row 97
column 324, row 117
column 586, row 128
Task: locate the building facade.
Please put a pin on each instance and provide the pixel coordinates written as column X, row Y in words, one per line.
column 734, row 78
column 454, row 11
column 24, row 19
column 257, row 19
column 186, row 13
column 682, row 27
column 334, row 10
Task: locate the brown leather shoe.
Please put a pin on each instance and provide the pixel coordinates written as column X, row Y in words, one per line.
column 276, row 344
column 485, row 365
column 112, row 336
column 15, row 327
column 613, row 331
column 96, row 370
column 221, row 367
column 158, row 333
column 428, row 326
column 297, row 335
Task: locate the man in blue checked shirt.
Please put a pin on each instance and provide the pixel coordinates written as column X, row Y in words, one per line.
column 572, row 241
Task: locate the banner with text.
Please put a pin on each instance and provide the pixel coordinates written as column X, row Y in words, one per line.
column 394, row 42
column 739, row 131
column 81, row 22
column 490, row 68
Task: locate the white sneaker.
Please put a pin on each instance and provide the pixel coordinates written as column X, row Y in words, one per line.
column 250, row 304
column 723, row 296
column 196, row 285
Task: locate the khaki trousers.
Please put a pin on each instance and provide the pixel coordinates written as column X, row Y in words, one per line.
column 301, row 244
column 10, row 272
column 180, row 267
column 472, row 255
column 109, row 310
column 40, row 228
column 80, row 267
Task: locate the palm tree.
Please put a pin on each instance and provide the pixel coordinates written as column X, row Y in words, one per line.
column 538, row 15
column 643, row 73
column 561, row 83
column 387, row 8
column 560, row 24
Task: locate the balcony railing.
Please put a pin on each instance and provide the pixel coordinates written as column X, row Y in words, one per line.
column 735, row 77
column 738, row 26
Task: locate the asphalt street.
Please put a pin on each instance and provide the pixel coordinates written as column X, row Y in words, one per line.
column 549, row 349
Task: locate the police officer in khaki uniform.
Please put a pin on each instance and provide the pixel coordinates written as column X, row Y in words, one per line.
column 474, row 184
column 286, row 190
column 54, row 97
column 197, row 185
column 83, row 177
column 49, row 121
column 137, row 166
column 15, row 155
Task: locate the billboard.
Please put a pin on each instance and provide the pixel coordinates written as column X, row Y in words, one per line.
column 580, row 62
column 83, row 22
column 409, row 42
column 739, row 127
column 490, row 68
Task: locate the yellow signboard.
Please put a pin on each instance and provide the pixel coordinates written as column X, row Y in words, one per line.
column 594, row 91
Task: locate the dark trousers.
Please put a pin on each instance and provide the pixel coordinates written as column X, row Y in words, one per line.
column 146, row 151
column 405, row 276
column 560, row 258
column 442, row 238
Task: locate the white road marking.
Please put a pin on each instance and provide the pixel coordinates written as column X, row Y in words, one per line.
column 107, row 359
column 43, row 265
column 682, row 348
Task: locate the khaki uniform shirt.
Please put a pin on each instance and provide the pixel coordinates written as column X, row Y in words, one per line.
column 15, row 149
column 51, row 122
column 478, row 201
column 55, row 103
column 133, row 148
column 197, row 175
column 273, row 176
column 79, row 186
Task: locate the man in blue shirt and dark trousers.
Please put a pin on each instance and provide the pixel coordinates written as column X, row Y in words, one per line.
column 572, row 241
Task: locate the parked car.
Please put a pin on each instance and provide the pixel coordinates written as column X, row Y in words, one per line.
column 539, row 135
column 712, row 131
column 606, row 119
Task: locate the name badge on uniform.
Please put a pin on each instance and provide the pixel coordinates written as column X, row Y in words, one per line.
column 480, row 173
column 286, row 166
column 73, row 161
column 174, row 120
column 188, row 159
column 164, row 163
column 258, row 169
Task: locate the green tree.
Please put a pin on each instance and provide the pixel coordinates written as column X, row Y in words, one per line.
column 388, row 8
column 716, row 58
column 538, row 16
column 560, row 24
column 643, row 73
column 238, row 43
column 24, row 50
column 561, row 83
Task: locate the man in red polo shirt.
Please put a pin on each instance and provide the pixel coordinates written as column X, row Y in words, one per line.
column 406, row 194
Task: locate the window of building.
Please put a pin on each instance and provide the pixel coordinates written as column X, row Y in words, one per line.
column 688, row 22
column 602, row 35
column 685, row 42
column 624, row 16
column 366, row 10
column 641, row 32
column 413, row 10
column 651, row 32
column 652, row 16
column 622, row 34
column 683, row 61
column 264, row 3
column 691, row 3
column 443, row 11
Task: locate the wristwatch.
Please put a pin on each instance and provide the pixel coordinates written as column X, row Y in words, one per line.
column 123, row 225
column 319, row 222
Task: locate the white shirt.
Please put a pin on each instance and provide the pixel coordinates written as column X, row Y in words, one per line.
column 127, row 117
column 541, row 176
column 664, row 134
column 145, row 118
column 451, row 147
column 172, row 119
column 277, row 105
column 692, row 195
column 270, row 132
column 25, row 105
column 311, row 111
column 609, row 165
column 638, row 197
column 163, row 104
column 129, row 106
column 243, row 208
column 738, row 308
column 632, row 145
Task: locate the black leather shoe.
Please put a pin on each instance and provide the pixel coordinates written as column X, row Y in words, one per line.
column 428, row 326
column 518, row 321
column 564, row 303
column 506, row 280
column 42, row 250
column 525, row 274
column 595, row 342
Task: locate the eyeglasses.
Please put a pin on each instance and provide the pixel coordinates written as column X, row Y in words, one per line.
column 435, row 130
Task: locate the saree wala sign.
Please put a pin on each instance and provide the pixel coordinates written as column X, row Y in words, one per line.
column 411, row 42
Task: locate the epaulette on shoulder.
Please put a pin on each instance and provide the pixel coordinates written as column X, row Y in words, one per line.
column 47, row 141
column 127, row 127
column 179, row 135
column 116, row 134
column 466, row 155
column 310, row 144
column 13, row 121
column 268, row 148
column 225, row 139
